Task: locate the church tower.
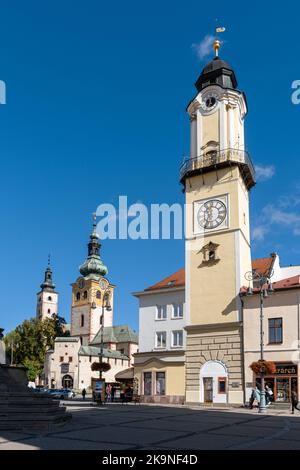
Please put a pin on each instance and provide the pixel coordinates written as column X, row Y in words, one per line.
column 92, row 295
column 217, row 179
column 47, row 298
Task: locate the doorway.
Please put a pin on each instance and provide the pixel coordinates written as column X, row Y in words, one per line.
column 208, row 389
column 67, row 381
column 213, row 382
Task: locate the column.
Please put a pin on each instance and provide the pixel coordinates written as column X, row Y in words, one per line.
column 223, row 126
column 193, row 143
column 231, row 139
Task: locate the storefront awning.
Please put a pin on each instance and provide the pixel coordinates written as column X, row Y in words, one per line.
column 126, row 374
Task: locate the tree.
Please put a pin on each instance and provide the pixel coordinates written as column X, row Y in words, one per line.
column 30, row 341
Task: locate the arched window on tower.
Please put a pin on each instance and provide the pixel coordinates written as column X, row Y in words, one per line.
column 85, row 294
column 82, row 321
column 49, row 298
column 49, row 311
column 78, row 296
column 98, row 294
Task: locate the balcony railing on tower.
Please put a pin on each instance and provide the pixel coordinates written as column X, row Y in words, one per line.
column 216, row 159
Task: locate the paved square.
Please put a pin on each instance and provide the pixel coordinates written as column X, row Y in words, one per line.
column 135, row 427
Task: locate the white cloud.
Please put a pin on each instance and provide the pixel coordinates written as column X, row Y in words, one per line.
column 204, row 47
column 279, row 216
column 259, row 232
column 264, row 173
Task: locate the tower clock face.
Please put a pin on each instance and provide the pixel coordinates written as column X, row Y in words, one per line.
column 209, row 101
column 211, row 214
column 103, row 284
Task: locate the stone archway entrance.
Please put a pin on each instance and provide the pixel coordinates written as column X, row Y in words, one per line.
column 213, row 382
column 67, row 381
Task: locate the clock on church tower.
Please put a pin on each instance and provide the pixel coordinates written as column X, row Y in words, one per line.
column 92, row 295
column 217, row 178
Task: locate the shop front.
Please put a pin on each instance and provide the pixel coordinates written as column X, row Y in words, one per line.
column 283, row 382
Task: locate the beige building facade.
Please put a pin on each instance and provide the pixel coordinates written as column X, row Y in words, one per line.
column 281, row 327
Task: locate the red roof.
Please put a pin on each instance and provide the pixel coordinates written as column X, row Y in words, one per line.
column 261, row 266
column 175, row 280
column 283, row 284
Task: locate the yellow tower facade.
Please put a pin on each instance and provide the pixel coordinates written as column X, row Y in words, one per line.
column 217, row 178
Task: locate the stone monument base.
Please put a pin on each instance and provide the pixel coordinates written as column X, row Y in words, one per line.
column 24, row 410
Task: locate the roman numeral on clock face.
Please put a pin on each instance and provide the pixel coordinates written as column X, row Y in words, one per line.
column 211, row 214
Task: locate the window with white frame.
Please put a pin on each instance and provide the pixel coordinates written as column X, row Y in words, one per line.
column 161, row 339
column 177, row 311
column 161, row 312
column 177, row 339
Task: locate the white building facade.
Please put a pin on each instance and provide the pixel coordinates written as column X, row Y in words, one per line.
column 159, row 364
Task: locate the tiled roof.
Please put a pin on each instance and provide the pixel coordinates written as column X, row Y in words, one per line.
column 261, row 265
column 175, row 280
column 116, row 334
column 93, row 351
column 283, row 284
column 67, row 339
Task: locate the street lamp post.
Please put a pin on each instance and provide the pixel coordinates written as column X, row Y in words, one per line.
column 265, row 288
column 105, row 305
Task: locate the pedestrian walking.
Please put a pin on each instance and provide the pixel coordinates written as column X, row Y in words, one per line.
column 252, row 398
column 269, row 393
column 294, row 401
column 83, row 393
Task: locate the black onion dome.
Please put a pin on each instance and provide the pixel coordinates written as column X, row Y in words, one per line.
column 217, row 72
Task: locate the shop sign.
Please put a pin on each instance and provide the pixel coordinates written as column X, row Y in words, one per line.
column 286, row 369
column 235, row 384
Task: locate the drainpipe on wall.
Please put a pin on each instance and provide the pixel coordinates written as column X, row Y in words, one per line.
column 243, row 350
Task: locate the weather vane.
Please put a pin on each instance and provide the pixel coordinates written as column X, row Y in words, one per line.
column 217, row 42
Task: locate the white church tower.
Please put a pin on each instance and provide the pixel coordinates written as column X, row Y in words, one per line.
column 47, row 297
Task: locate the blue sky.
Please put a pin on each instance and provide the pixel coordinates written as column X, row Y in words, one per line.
column 96, row 97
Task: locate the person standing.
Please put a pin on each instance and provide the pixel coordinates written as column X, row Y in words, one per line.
column 122, row 395
column 294, row 401
column 83, row 393
column 108, row 393
column 113, row 391
column 257, row 395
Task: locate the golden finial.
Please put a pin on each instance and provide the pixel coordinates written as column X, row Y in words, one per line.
column 217, row 46
column 217, row 42
column 94, row 214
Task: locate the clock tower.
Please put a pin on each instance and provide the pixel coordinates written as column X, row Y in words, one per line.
column 92, row 295
column 217, row 179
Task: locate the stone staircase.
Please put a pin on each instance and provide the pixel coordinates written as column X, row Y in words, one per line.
column 23, row 410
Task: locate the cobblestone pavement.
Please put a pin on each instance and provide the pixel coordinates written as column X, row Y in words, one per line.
column 137, row 427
